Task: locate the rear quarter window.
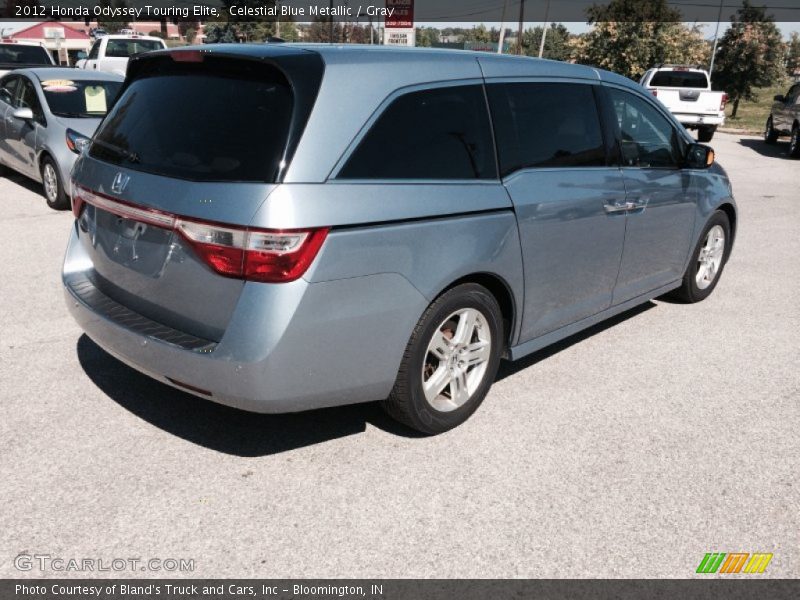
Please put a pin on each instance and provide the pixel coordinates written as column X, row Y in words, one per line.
column 441, row 133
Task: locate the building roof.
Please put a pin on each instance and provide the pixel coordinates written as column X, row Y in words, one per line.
column 37, row 31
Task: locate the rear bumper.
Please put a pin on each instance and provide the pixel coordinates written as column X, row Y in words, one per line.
column 704, row 120
column 288, row 347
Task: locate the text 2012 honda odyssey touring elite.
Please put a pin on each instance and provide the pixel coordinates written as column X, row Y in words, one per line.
column 280, row 228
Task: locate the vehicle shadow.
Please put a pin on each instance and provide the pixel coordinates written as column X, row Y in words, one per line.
column 22, row 181
column 511, row 368
column 780, row 149
column 218, row 427
column 247, row 434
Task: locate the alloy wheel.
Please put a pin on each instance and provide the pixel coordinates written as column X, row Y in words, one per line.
column 709, row 261
column 456, row 359
column 50, row 182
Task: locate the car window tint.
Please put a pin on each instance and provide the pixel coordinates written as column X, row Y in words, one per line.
column 647, row 138
column 221, row 120
column 27, row 98
column 441, row 133
column 683, row 79
column 546, row 125
column 126, row 48
column 95, row 50
column 7, row 89
column 81, row 98
column 20, row 54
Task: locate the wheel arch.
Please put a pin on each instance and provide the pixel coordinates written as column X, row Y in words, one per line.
column 501, row 290
column 730, row 211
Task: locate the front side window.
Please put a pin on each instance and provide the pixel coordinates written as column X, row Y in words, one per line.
column 647, row 138
column 546, row 125
column 27, row 98
column 441, row 133
column 7, row 88
column 95, row 50
column 792, row 95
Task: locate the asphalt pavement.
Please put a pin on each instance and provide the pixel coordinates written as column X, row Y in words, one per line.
column 630, row 450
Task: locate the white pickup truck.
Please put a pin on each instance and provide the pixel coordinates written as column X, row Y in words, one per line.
column 22, row 55
column 110, row 53
column 686, row 92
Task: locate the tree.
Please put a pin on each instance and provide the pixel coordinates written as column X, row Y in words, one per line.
column 427, row 36
column 478, row 34
column 751, row 55
column 109, row 25
column 190, row 34
column 218, row 33
column 793, row 53
column 320, row 31
column 630, row 48
column 630, row 11
column 556, row 43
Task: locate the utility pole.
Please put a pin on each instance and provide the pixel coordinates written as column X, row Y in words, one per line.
column 716, row 35
column 521, row 19
column 544, row 29
column 330, row 27
column 502, row 29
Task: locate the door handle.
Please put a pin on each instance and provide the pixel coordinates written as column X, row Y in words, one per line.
column 616, row 207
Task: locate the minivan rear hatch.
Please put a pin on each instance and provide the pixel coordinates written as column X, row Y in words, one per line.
column 195, row 136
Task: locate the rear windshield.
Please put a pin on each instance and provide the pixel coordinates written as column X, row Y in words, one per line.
column 79, row 99
column 18, row 54
column 126, row 48
column 220, row 120
column 684, row 79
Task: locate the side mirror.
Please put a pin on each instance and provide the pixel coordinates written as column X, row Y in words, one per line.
column 699, row 156
column 81, row 55
column 779, row 98
column 24, row 114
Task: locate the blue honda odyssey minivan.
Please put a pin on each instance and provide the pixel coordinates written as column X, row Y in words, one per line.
column 287, row 227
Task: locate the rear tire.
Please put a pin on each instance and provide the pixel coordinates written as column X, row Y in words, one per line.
column 794, row 142
column 708, row 260
column 53, row 187
column 705, row 134
column 450, row 362
column 770, row 135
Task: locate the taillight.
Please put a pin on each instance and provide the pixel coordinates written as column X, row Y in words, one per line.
column 655, row 93
column 724, row 102
column 265, row 255
column 194, row 56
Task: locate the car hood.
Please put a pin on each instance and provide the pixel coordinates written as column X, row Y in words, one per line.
column 85, row 127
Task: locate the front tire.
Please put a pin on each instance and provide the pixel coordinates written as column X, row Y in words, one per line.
column 794, row 142
column 705, row 134
column 450, row 362
column 770, row 135
column 708, row 260
column 53, row 187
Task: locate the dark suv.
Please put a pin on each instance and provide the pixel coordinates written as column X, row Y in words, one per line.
column 784, row 119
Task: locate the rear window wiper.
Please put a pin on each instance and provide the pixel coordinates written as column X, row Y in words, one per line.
column 131, row 157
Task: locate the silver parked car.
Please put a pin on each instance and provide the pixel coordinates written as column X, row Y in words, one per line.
column 47, row 115
column 282, row 228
